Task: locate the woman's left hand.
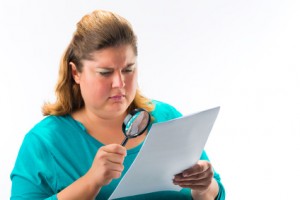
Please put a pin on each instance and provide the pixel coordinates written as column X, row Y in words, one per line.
column 199, row 177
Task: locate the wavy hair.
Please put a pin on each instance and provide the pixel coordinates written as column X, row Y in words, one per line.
column 95, row 31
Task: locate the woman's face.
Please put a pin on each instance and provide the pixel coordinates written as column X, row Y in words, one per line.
column 108, row 82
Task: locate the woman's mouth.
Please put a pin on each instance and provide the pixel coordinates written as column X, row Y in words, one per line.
column 117, row 97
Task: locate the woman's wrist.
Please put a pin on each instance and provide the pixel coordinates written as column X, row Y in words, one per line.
column 90, row 184
column 210, row 194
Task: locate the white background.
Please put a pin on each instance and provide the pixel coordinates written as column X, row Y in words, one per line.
column 238, row 54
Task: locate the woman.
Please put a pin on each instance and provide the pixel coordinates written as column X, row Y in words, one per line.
column 75, row 152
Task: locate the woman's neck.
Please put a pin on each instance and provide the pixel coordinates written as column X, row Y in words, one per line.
column 105, row 130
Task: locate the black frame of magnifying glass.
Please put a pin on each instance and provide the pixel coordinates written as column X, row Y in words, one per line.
column 129, row 116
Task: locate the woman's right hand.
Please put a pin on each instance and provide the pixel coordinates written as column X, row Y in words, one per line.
column 107, row 164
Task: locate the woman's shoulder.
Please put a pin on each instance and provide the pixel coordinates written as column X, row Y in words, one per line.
column 164, row 111
column 50, row 127
column 51, row 122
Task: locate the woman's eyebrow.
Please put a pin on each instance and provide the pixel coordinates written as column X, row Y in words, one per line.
column 129, row 65
column 111, row 68
column 106, row 68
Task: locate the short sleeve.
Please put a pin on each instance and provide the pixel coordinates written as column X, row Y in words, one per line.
column 31, row 178
column 164, row 112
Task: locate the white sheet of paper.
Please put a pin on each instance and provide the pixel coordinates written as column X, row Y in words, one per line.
column 169, row 148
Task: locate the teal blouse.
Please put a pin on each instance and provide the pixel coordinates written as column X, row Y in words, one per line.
column 58, row 150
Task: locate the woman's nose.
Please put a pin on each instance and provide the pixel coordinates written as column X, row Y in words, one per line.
column 118, row 80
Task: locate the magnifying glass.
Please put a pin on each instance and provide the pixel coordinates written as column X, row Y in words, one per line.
column 135, row 124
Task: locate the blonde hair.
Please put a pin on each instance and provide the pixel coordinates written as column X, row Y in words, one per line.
column 95, row 31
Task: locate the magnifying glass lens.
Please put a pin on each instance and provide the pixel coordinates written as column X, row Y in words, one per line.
column 135, row 124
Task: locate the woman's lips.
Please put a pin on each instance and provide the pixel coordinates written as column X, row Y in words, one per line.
column 117, row 97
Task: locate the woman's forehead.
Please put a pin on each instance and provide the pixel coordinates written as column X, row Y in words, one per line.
column 120, row 50
column 120, row 56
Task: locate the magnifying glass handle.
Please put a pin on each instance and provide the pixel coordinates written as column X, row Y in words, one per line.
column 124, row 141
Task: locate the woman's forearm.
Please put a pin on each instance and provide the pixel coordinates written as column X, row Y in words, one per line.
column 82, row 189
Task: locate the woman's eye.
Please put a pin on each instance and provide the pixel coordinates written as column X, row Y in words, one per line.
column 128, row 69
column 105, row 72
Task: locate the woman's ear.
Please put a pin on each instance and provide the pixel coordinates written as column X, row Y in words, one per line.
column 75, row 73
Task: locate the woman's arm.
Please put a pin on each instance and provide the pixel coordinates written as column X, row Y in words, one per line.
column 107, row 165
column 80, row 189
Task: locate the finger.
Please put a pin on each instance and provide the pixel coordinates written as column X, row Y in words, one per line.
column 199, row 167
column 111, row 170
column 110, row 166
column 103, row 155
column 200, row 182
column 115, row 158
column 208, row 173
column 115, row 148
column 195, row 187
